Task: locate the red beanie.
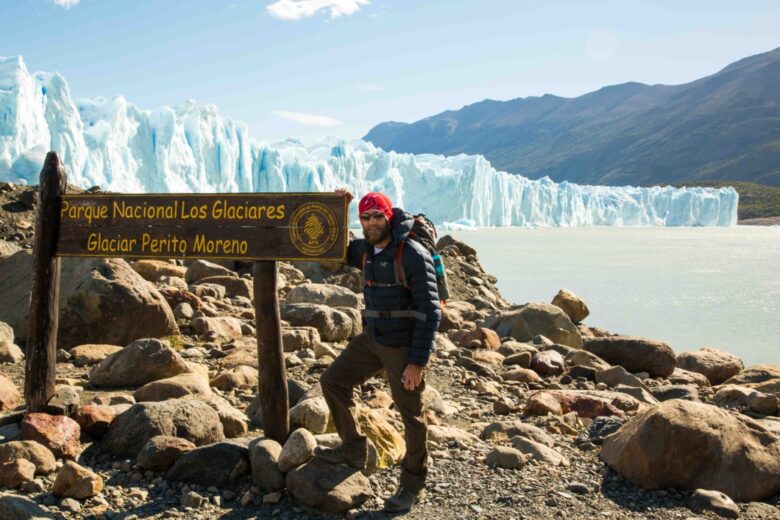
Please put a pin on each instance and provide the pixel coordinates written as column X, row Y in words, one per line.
column 374, row 201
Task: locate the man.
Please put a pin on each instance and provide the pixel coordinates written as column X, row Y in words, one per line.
column 401, row 319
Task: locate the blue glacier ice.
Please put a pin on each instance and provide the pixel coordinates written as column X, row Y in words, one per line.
column 120, row 147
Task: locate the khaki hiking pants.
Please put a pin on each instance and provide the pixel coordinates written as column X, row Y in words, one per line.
column 362, row 359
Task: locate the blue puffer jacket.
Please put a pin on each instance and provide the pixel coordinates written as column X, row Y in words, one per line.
column 422, row 294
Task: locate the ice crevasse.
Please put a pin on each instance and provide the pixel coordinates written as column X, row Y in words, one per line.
column 193, row 149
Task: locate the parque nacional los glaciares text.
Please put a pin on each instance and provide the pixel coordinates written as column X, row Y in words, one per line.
column 256, row 226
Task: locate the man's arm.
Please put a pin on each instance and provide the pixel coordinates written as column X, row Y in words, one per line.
column 421, row 279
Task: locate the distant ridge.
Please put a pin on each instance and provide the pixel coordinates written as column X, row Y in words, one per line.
column 723, row 126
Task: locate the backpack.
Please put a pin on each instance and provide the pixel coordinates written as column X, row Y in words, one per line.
column 424, row 232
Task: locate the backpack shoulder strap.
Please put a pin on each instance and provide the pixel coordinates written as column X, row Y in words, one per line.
column 366, row 280
column 400, row 273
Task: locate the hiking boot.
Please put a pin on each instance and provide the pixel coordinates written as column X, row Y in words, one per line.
column 403, row 500
column 337, row 455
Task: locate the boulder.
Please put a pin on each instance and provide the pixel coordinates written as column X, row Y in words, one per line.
column 238, row 377
column 65, row 400
column 539, row 451
column 101, row 301
column 521, row 359
column 593, row 403
column 220, row 464
column 716, row 365
column 506, row 457
column 37, row 453
column 9, row 352
column 20, row 508
column 572, row 305
column 618, row 375
column 161, row 451
column 225, row 327
column 92, row 354
column 439, row 435
column 755, row 374
column 264, row 460
column 15, row 473
column 298, row 448
column 74, row 481
column 525, row 322
column 94, row 420
column 312, row 414
column 389, row 443
column 332, row 324
column 517, row 428
column 184, row 418
column 634, row 354
column 542, row 403
column 297, row 338
column 173, row 387
column 733, row 396
column 688, row 445
column 686, row 377
column 153, row 270
column 58, row 433
column 524, row 375
column 548, row 363
column 331, row 488
column 583, row 358
column 9, row 394
column 234, row 287
column 324, row 294
column 719, row 503
column 668, row 392
column 200, row 269
column 481, row 338
column 234, row 422
column 141, row 362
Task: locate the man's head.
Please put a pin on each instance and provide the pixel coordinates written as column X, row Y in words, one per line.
column 375, row 211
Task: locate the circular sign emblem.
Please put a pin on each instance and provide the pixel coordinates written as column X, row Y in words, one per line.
column 313, row 229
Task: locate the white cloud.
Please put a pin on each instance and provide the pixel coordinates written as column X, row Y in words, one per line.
column 67, row 4
column 307, row 119
column 297, row 9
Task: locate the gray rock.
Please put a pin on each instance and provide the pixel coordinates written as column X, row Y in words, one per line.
column 618, row 375
column 539, row 451
column 139, row 363
column 161, row 452
column 716, row 365
column 331, row 488
column 325, row 294
column 101, row 301
column 332, row 324
column 264, row 459
column 37, row 453
column 298, row 449
column 312, row 414
column 525, row 322
column 220, row 464
column 634, row 354
column 707, row 500
column 200, row 269
column 20, row 508
column 505, row 457
column 185, row 418
column 669, row 392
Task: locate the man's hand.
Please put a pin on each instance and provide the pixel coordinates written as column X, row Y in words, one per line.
column 412, row 376
column 345, row 192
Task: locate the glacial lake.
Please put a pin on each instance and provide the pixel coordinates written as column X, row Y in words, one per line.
column 690, row 287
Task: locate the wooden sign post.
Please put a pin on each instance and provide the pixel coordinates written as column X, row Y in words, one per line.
column 264, row 227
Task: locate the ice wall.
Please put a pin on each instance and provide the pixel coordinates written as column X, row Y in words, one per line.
column 119, row 147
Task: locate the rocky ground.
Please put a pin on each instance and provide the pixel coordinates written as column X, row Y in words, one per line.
column 532, row 414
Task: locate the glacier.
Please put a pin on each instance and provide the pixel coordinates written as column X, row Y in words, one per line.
column 193, row 149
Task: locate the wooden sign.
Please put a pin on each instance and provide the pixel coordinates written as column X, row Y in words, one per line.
column 246, row 226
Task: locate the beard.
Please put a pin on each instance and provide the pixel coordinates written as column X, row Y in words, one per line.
column 377, row 235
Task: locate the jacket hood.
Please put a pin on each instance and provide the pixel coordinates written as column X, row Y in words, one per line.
column 401, row 224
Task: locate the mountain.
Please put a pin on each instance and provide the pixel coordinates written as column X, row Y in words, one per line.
column 193, row 149
column 723, row 126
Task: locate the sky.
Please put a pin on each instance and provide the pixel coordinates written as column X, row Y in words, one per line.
column 307, row 68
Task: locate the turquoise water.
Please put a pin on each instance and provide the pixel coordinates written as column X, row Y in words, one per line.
column 689, row 287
